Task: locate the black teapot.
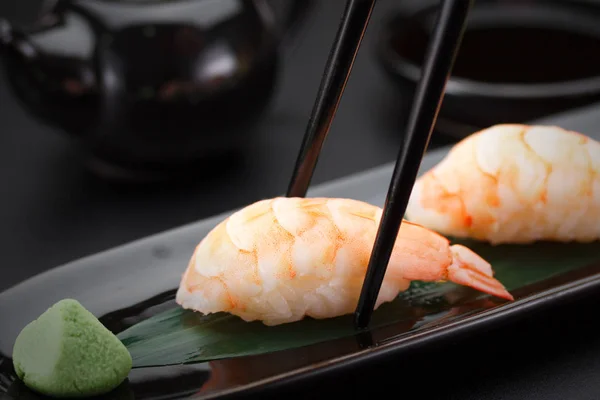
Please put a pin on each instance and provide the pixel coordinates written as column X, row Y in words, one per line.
column 149, row 86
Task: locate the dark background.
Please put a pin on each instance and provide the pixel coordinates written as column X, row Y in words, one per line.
column 54, row 211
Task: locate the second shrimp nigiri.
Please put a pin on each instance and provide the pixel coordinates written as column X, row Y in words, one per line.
column 279, row 260
column 514, row 183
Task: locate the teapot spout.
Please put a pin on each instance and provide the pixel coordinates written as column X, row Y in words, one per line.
column 14, row 41
column 6, row 37
column 12, row 38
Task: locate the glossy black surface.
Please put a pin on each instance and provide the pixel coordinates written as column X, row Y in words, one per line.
column 518, row 61
column 148, row 86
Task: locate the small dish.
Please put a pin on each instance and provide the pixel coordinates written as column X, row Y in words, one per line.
column 518, row 61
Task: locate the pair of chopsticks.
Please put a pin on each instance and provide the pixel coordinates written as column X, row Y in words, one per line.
column 442, row 50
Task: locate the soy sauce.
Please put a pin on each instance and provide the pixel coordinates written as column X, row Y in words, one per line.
column 515, row 54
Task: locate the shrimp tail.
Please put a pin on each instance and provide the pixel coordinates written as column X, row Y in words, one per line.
column 469, row 269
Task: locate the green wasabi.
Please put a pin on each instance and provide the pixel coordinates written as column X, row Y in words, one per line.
column 67, row 352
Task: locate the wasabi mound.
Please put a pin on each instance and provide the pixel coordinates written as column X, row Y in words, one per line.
column 67, row 352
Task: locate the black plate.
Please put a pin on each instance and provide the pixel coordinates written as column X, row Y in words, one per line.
column 131, row 282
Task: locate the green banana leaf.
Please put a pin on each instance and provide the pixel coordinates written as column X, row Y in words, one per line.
column 178, row 336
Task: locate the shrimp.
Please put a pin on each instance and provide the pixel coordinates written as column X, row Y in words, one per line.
column 282, row 259
column 513, row 183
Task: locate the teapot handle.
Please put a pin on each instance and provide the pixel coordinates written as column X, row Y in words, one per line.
column 12, row 39
column 5, row 33
column 17, row 39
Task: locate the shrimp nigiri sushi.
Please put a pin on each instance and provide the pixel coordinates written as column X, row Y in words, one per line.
column 513, row 183
column 280, row 260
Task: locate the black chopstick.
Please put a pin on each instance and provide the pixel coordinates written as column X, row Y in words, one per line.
column 339, row 65
column 442, row 49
